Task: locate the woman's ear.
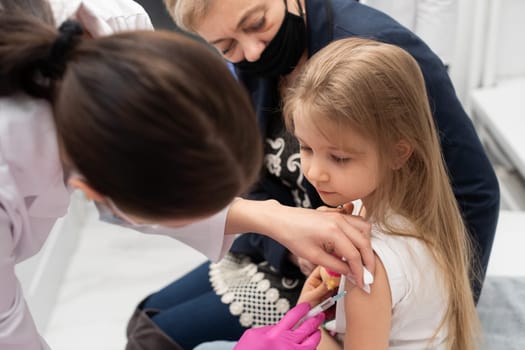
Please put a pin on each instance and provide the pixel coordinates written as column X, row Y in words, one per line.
column 403, row 151
column 81, row 184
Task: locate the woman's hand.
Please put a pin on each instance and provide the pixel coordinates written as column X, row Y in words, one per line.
column 314, row 235
column 321, row 236
column 314, row 290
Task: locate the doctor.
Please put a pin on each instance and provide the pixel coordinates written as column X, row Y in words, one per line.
column 116, row 118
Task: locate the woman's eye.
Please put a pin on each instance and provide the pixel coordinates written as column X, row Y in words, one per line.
column 228, row 49
column 258, row 24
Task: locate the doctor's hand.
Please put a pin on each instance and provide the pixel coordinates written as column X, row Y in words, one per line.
column 281, row 336
column 304, row 265
column 319, row 236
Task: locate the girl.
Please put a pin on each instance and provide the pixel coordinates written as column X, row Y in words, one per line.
column 360, row 113
column 117, row 118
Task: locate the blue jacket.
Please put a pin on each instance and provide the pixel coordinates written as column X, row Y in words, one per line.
column 473, row 179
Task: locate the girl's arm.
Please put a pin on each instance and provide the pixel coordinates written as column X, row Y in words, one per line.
column 369, row 316
column 328, row 342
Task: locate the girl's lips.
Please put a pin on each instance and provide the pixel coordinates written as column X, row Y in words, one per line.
column 324, row 192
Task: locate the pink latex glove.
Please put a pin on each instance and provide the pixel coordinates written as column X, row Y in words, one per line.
column 281, row 336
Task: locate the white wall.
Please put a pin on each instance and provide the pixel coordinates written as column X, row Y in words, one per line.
column 490, row 44
column 465, row 68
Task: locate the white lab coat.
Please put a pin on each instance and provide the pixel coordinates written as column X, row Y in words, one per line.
column 102, row 17
column 32, row 190
column 434, row 21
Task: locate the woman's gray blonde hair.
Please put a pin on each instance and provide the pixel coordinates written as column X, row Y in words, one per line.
column 187, row 13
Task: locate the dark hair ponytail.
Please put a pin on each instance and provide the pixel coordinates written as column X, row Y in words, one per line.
column 33, row 54
column 153, row 120
column 25, row 44
column 36, row 8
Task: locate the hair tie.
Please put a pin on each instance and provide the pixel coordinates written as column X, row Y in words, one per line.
column 69, row 34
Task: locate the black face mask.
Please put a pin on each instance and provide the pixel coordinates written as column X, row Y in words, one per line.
column 282, row 53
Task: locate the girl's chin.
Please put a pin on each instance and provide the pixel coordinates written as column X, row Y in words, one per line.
column 330, row 200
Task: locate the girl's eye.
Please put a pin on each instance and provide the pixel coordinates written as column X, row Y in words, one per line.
column 304, row 148
column 340, row 159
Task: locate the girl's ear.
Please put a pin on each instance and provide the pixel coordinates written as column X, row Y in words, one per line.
column 403, row 151
column 81, row 184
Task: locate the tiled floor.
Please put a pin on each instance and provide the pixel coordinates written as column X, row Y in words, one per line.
column 114, row 268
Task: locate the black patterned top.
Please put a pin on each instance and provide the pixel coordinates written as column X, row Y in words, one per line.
column 281, row 158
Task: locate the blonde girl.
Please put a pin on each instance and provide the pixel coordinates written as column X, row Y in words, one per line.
column 360, row 112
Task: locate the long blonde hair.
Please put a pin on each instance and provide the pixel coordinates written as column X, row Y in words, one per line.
column 379, row 90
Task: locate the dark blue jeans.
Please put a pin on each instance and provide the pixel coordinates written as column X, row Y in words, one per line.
column 191, row 313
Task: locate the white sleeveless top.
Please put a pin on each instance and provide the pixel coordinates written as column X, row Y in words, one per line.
column 419, row 300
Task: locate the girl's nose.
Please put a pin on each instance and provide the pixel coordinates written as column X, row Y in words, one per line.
column 316, row 172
